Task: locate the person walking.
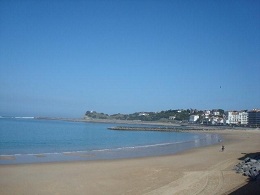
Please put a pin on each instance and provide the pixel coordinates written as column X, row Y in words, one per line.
column 223, row 148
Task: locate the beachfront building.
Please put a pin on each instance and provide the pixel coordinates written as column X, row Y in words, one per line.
column 237, row 118
column 254, row 118
column 243, row 117
column 217, row 120
column 233, row 118
column 206, row 114
column 193, row 118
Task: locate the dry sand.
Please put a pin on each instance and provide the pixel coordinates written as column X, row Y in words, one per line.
column 204, row 170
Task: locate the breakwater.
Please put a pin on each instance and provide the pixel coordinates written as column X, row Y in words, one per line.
column 161, row 128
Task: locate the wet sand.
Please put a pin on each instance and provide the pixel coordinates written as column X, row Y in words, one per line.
column 204, row 170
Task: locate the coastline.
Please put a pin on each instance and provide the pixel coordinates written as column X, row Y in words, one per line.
column 199, row 170
column 127, row 152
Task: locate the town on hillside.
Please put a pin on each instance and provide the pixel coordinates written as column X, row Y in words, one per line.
column 249, row 118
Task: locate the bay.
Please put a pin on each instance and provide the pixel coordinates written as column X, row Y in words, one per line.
column 29, row 139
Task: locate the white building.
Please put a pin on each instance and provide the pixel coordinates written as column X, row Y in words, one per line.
column 217, row 121
column 237, row 118
column 208, row 112
column 194, row 118
column 243, row 118
column 233, row 118
column 216, row 113
column 172, row 117
column 143, row 114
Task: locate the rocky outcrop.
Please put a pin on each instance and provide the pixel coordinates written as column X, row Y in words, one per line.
column 249, row 167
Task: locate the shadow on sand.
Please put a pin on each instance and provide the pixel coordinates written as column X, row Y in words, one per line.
column 252, row 187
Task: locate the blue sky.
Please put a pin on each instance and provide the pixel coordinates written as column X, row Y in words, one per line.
column 62, row 58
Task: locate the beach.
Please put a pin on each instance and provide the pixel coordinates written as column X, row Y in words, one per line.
column 204, row 170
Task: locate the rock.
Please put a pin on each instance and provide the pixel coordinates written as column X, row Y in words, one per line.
column 249, row 167
column 245, row 168
column 247, row 159
column 257, row 167
column 253, row 173
column 246, row 173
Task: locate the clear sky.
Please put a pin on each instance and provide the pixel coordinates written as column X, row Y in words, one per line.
column 62, row 58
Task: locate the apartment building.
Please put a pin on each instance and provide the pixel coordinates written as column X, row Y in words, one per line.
column 243, row 117
column 232, row 118
column 254, row 118
column 237, row 118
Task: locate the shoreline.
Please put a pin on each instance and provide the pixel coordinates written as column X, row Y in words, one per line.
column 199, row 170
column 128, row 152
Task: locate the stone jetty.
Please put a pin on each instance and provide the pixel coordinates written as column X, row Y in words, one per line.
column 249, row 167
column 128, row 128
column 159, row 128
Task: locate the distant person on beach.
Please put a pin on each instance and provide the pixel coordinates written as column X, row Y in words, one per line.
column 223, row 148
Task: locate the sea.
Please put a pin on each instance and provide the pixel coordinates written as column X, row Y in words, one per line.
column 30, row 140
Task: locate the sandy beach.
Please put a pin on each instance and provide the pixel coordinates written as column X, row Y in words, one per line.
column 204, row 170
